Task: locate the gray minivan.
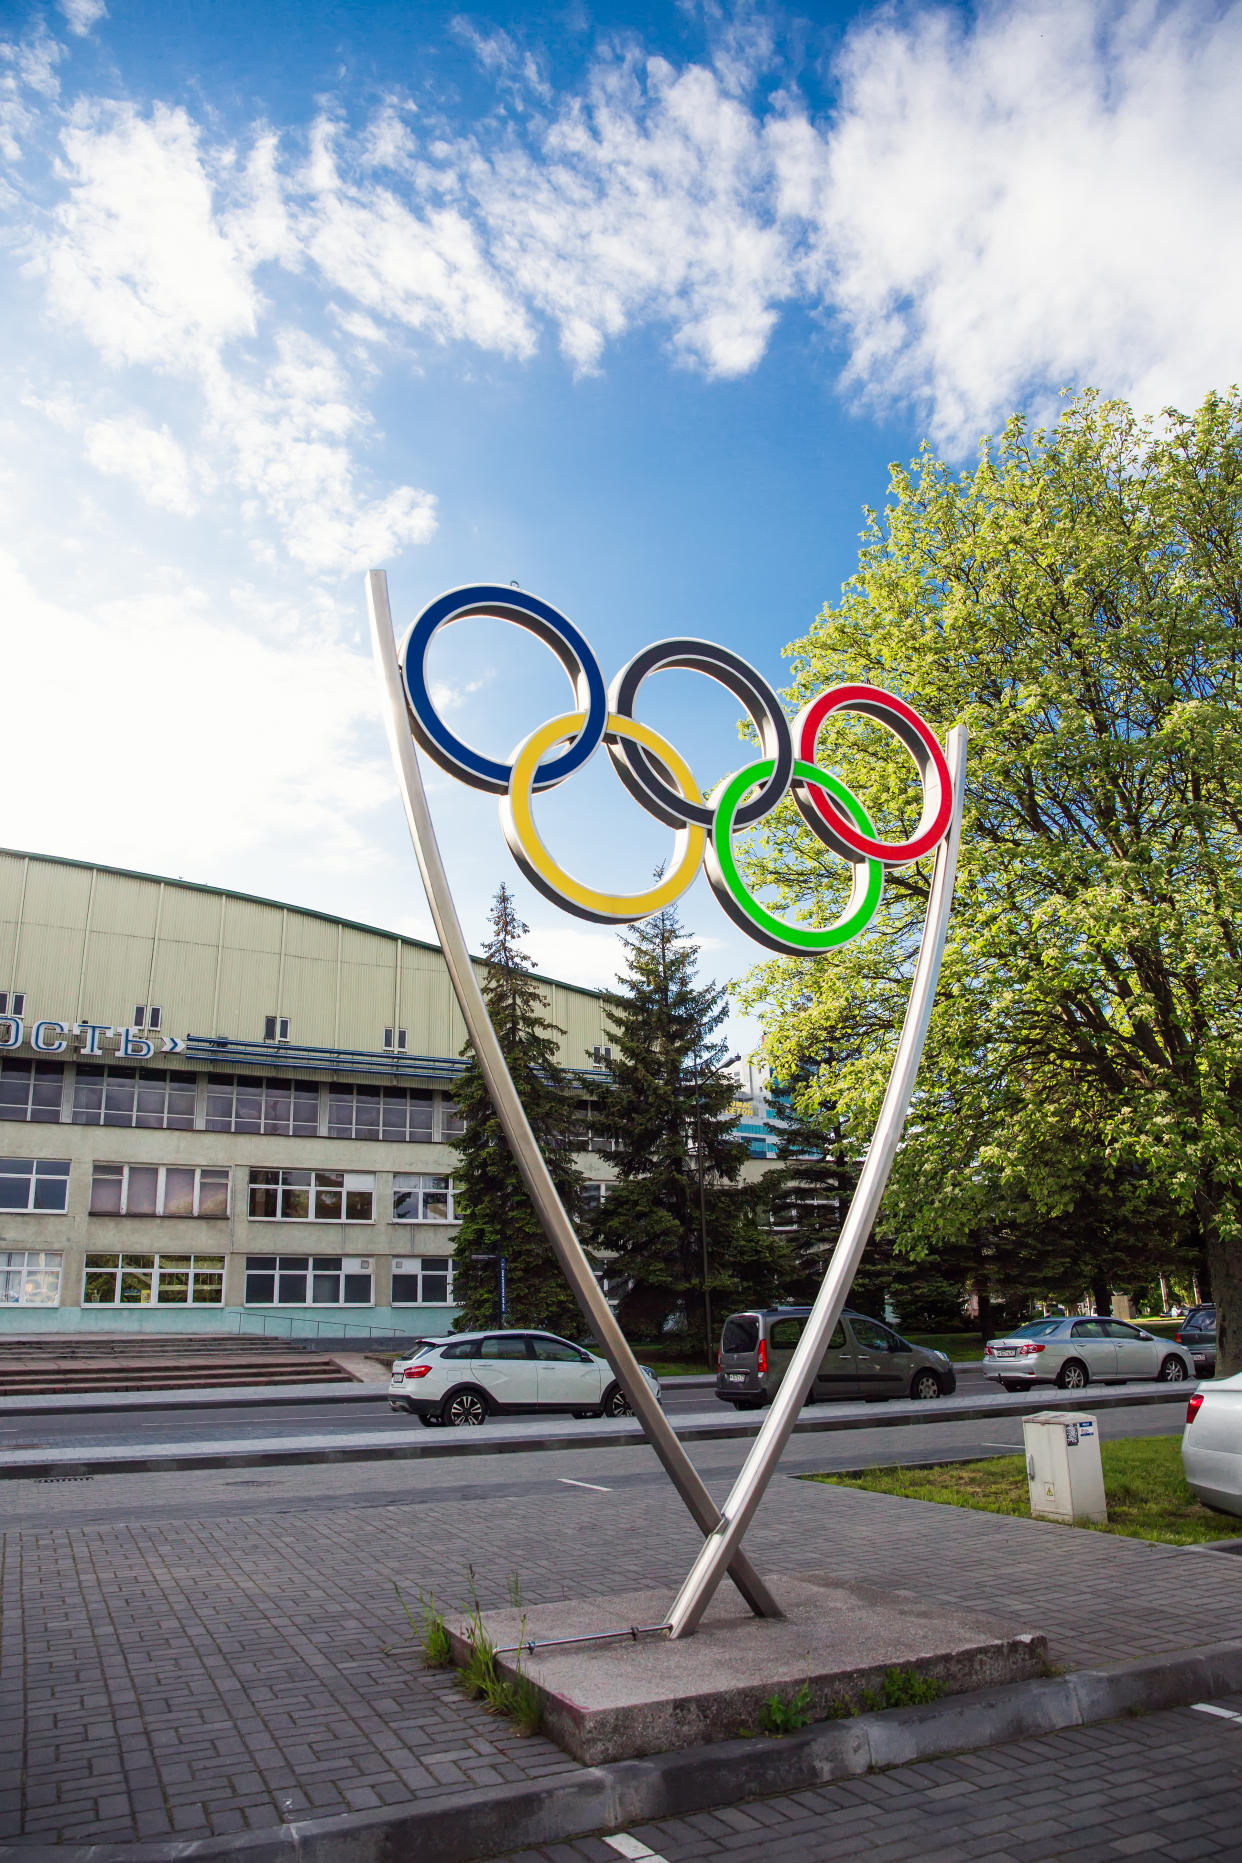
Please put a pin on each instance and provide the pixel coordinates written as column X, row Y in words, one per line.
column 864, row 1359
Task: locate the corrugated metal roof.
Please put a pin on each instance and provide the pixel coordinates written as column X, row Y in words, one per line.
column 258, row 899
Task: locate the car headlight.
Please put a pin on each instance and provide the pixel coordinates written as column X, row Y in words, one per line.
column 648, row 1374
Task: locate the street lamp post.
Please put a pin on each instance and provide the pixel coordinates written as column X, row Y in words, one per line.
column 504, row 1298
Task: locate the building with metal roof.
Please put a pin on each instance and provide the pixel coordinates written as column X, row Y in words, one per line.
column 220, row 1112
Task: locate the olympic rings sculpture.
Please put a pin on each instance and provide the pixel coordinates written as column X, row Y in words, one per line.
column 658, row 777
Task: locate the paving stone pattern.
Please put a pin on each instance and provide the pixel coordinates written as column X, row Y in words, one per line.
column 1165, row 1787
column 196, row 1676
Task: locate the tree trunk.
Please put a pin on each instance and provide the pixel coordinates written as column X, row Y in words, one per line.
column 1101, row 1297
column 1225, row 1263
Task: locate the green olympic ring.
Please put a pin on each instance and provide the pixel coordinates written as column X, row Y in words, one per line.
column 740, row 903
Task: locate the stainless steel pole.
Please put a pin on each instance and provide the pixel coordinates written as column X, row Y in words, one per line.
column 504, row 1095
column 757, row 1470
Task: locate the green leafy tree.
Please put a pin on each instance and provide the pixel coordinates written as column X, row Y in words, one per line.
column 497, row 1216
column 668, row 1111
column 1076, row 600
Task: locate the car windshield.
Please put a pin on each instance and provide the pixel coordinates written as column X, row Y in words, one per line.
column 1035, row 1329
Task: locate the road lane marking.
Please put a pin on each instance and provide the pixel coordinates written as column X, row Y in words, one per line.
column 598, row 1490
column 1210, row 1707
column 627, row 1846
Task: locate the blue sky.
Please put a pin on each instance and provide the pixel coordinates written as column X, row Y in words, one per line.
column 630, row 304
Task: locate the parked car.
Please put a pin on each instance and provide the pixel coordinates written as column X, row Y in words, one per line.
column 1074, row 1353
column 1198, row 1334
column 863, row 1359
column 1212, row 1445
column 464, row 1379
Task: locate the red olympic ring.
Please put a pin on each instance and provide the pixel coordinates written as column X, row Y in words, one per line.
column 821, row 812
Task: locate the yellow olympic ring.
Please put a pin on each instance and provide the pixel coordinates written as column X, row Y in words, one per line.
column 537, row 864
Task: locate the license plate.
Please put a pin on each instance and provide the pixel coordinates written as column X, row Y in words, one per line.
column 735, row 1377
column 1005, row 1352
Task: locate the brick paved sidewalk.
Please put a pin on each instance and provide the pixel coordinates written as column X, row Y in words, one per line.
column 194, row 1676
column 1165, row 1787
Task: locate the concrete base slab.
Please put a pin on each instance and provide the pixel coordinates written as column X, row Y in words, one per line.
column 618, row 1699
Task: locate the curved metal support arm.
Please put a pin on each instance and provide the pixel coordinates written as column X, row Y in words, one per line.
column 504, row 1095
column 757, row 1470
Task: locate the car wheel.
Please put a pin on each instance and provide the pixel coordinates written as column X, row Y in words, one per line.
column 1012, row 1384
column 616, row 1403
column 1072, row 1375
column 465, row 1410
column 1172, row 1371
column 925, row 1384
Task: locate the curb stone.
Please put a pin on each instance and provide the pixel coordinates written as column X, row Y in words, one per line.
column 430, row 1444
column 464, row 1827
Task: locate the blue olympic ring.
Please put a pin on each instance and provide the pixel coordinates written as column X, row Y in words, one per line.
column 535, row 617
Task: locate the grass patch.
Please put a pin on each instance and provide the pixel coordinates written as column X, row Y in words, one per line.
column 1148, row 1498
column 666, row 1367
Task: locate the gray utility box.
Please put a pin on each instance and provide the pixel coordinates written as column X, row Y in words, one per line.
column 1063, row 1467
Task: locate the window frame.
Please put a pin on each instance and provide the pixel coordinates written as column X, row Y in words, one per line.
column 113, row 1261
column 428, row 1183
column 40, row 1170
column 14, row 1068
column 415, row 1271
column 9, row 1267
column 310, row 1270
column 93, row 1078
column 267, row 1091
column 102, row 1169
column 289, row 1179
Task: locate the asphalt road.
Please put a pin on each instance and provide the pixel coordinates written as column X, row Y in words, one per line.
column 890, row 1443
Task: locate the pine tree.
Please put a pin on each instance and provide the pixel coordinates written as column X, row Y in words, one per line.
column 497, row 1216
column 668, row 1110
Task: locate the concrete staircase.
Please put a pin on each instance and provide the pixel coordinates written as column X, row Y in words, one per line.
column 129, row 1362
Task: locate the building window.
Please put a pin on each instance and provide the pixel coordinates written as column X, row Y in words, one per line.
column 148, row 1015
column 592, row 1134
column 422, row 1281
column 593, row 1193
column 29, row 1277
column 308, row 1281
column 275, row 1028
column 31, row 1090
column 420, row 1198
column 153, row 1281
column 451, row 1122
column 312, row 1196
column 240, row 1103
column 159, row 1190
column 373, row 1112
column 400, row 1043
column 142, row 1096
column 12, row 1002
column 34, row 1183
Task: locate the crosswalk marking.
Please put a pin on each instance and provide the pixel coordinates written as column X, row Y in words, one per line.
column 630, row 1847
column 1204, row 1707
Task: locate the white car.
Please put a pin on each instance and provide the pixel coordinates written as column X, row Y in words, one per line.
column 1212, row 1444
column 464, row 1379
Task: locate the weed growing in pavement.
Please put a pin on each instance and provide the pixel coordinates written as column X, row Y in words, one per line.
column 513, row 1584
column 430, row 1630
column 786, row 1714
column 901, row 1688
column 515, row 1696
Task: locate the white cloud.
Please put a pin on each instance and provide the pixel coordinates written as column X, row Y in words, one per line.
column 81, row 15
column 153, row 257
column 27, row 79
column 148, row 457
column 1046, row 196
column 280, row 766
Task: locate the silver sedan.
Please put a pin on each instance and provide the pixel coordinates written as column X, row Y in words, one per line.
column 1212, row 1444
column 1074, row 1353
